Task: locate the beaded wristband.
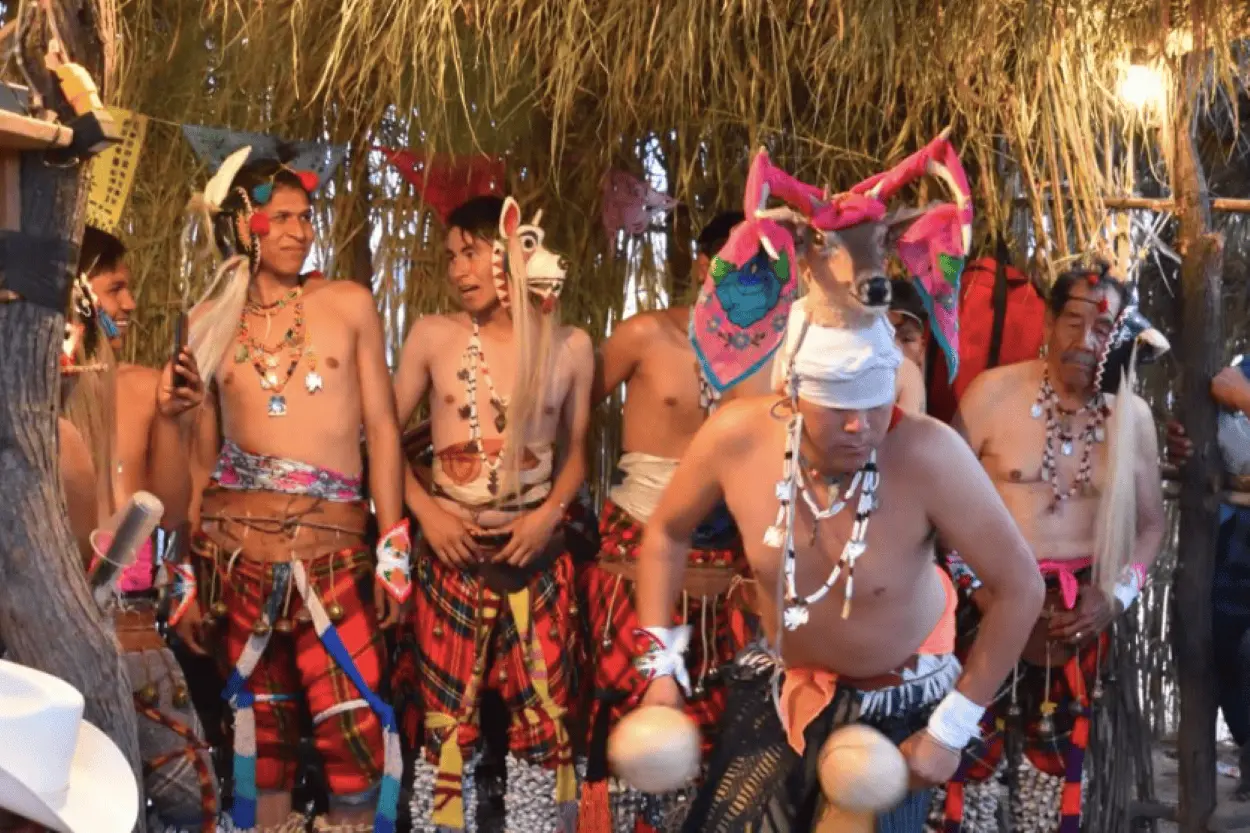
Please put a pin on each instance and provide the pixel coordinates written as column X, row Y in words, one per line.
column 394, row 569
column 185, row 591
column 662, row 654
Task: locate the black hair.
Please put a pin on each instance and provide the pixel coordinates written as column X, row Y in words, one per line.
column 904, row 297
column 256, row 172
column 716, row 232
column 477, row 217
column 100, row 252
column 1097, row 276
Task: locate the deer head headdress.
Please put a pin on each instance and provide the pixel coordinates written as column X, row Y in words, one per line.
column 842, row 240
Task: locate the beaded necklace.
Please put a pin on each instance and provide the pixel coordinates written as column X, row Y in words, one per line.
column 295, row 342
column 471, row 363
column 793, row 483
column 1058, row 433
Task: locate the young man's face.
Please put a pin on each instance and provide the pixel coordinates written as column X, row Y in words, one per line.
column 285, row 248
column 910, row 336
column 842, row 440
column 1079, row 334
column 469, row 269
column 112, row 291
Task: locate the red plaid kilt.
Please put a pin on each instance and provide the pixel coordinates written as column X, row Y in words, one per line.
column 296, row 665
column 467, row 640
column 721, row 629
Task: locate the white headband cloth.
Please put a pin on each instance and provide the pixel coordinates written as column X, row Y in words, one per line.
column 832, row 367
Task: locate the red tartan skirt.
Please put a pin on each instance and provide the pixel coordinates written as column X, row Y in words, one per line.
column 465, row 638
column 297, row 669
column 721, row 629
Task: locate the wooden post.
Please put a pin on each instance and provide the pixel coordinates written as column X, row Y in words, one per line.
column 1201, row 354
column 48, row 618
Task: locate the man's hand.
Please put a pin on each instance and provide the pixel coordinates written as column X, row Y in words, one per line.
column 190, row 629
column 1231, row 389
column 930, row 762
column 389, row 610
column 1179, row 447
column 449, row 537
column 664, row 691
column 530, row 535
column 1093, row 614
column 171, row 401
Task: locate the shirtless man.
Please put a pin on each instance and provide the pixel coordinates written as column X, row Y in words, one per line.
column 912, row 478
column 1040, row 429
column 666, row 401
column 297, row 368
column 506, row 386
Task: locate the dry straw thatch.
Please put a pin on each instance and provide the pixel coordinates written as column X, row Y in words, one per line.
column 567, row 88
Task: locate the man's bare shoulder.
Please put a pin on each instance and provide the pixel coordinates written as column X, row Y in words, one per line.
column 642, row 326
column 922, row 441
column 737, row 425
column 347, row 296
column 436, row 324
column 135, row 382
column 575, row 340
column 991, row 387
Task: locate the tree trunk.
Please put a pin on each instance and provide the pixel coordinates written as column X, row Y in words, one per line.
column 47, row 615
column 1201, row 353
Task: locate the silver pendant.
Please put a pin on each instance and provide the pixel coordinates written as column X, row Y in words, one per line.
column 1099, row 434
column 854, row 549
column 795, row 617
column 1036, row 410
column 277, row 405
column 271, row 361
column 312, row 381
column 1066, row 448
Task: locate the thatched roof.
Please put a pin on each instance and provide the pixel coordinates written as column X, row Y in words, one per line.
column 568, row 88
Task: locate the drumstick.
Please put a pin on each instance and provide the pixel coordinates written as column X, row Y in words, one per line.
column 131, row 526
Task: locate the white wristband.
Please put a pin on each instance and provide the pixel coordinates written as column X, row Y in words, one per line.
column 956, row 721
column 1131, row 582
column 663, row 654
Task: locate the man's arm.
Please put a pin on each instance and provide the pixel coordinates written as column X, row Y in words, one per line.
column 692, row 493
column 1231, row 389
column 168, row 474
column 412, row 383
column 971, row 518
column 967, row 421
column 377, row 402
column 910, row 385
column 1151, row 521
column 78, row 482
column 617, row 358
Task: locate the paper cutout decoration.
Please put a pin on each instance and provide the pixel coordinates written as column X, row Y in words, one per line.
column 740, row 318
column 213, row 144
column 112, row 173
column 444, row 181
column 629, row 204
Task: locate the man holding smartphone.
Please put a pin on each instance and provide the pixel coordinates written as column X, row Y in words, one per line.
column 509, row 395
column 132, row 426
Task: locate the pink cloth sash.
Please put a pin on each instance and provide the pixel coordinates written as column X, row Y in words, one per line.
column 1066, row 572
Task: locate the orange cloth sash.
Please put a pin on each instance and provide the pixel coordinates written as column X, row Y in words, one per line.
column 806, row 692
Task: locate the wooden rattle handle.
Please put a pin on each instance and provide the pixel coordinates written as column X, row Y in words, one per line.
column 834, row 819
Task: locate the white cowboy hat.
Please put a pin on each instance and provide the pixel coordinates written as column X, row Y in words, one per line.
column 55, row 769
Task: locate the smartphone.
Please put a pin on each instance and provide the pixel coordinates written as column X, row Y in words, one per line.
column 180, row 341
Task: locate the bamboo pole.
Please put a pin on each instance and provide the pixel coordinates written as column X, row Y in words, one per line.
column 1222, row 204
column 1201, row 352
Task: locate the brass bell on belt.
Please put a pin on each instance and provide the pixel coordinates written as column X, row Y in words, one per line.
column 220, row 609
column 283, row 626
column 438, row 631
column 335, row 611
column 260, row 627
column 149, row 694
column 303, row 617
column 181, row 697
